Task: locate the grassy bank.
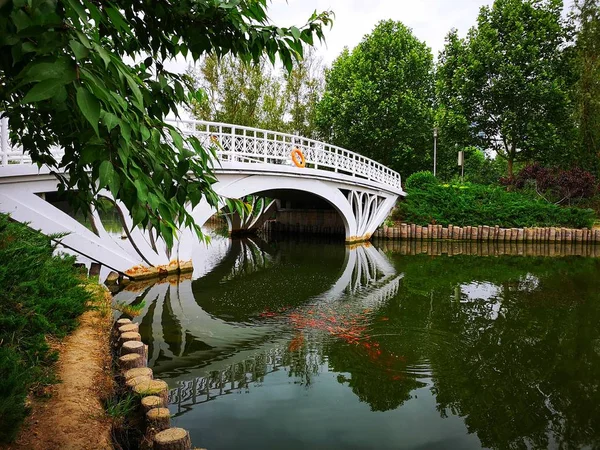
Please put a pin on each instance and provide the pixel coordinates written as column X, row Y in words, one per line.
column 41, row 297
column 472, row 204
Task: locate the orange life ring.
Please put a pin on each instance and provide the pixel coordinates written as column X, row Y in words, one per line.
column 297, row 153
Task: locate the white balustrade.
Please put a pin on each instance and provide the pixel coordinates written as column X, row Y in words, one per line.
column 235, row 143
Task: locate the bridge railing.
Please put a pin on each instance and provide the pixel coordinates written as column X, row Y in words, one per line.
column 242, row 144
column 238, row 143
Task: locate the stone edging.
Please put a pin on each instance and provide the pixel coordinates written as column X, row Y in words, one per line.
column 487, row 233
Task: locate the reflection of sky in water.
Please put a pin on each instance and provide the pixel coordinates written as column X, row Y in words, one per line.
column 487, row 294
column 479, row 291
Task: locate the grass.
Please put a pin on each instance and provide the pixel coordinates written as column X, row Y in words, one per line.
column 118, row 408
column 41, row 297
column 130, row 310
column 465, row 204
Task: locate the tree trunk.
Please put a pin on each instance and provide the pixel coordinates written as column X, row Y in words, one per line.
column 510, row 162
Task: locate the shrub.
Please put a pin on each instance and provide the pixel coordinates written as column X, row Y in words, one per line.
column 554, row 184
column 473, row 204
column 40, row 296
column 420, row 180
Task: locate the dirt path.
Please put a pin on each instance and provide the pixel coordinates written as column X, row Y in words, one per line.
column 73, row 418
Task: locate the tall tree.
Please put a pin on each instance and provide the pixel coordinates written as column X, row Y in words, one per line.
column 506, row 85
column 257, row 95
column 232, row 87
column 378, row 99
column 587, row 91
column 303, row 90
column 66, row 79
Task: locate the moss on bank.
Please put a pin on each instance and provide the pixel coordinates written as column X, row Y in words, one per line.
column 41, row 296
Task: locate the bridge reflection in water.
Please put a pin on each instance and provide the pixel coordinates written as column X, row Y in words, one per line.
column 242, row 343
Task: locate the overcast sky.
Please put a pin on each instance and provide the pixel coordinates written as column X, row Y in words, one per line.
column 430, row 20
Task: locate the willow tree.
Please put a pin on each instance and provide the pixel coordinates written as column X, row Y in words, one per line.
column 508, row 81
column 378, row 99
column 67, row 78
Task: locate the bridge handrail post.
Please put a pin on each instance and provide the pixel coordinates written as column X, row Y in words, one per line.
column 4, row 143
column 232, row 148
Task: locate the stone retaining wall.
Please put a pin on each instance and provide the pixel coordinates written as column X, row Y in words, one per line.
column 487, row 233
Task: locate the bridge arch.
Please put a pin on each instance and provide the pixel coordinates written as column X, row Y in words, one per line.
column 255, row 184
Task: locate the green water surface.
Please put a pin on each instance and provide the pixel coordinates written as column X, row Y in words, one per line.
column 315, row 345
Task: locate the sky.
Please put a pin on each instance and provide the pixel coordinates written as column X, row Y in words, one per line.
column 430, row 20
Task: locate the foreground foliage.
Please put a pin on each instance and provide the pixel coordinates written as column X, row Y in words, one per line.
column 473, row 204
column 68, row 81
column 40, row 298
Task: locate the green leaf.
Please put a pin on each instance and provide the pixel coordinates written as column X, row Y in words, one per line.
column 43, row 90
column 79, row 50
column 142, row 190
column 103, row 54
column 89, row 106
column 76, row 5
column 177, row 139
column 114, row 183
column 138, row 213
column 62, row 68
column 110, row 120
column 295, row 32
column 167, row 234
column 165, row 213
column 125, row 131
column 117, row 19
column 106, row 172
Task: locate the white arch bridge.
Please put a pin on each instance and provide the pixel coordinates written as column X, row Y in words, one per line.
column 250, row 162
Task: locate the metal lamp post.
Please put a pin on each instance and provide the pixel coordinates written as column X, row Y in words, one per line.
column 435, row 135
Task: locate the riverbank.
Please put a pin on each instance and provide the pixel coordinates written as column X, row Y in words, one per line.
column 487, row 233
column 74, row 416
column 53, row 339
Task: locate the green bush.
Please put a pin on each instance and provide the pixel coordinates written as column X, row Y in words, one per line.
column 40, row 296
column 473, row 204
column 420, row 180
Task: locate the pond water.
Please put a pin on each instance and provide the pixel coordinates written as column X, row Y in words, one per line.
column 311, row 344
